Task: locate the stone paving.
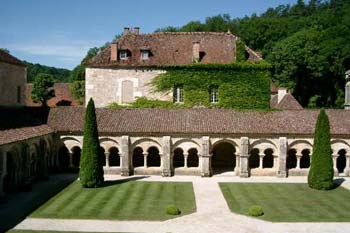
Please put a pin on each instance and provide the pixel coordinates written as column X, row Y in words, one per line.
column 212, row 216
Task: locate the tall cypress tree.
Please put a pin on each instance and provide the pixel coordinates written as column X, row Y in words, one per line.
column 91, row 169
column 321, row 170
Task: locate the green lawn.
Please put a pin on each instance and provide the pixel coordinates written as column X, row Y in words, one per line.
column 132, row 200
column 289, row 202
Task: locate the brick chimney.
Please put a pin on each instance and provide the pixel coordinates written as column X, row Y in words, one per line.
column 136, row 30
column 195, row 51
column 347, row 90
column 126, row 31
column 114, row 52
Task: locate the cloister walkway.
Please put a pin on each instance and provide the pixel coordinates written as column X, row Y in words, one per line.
column 213, row 214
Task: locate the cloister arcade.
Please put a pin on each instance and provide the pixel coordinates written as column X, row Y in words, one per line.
column 205, row 156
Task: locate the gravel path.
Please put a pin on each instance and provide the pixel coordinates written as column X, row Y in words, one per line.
column 212, row 216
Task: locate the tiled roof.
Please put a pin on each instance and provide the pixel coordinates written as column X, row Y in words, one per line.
column 17, row 124
column 24, row 133
column 172, row 48
column 198, row 121
column 62, row 96
column 288, row 102
column 8, row 58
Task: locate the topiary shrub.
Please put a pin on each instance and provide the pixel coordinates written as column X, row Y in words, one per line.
column 91, row 169
column 321, row 169
column 255, row 210
column 172, row 210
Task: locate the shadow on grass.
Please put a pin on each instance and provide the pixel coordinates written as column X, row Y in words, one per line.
column 121, row 181
column 18, row 206
column 337, row 182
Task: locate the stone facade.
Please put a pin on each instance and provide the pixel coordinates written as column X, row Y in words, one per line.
column 122, row 86
column 12, row 84
column 200, row 155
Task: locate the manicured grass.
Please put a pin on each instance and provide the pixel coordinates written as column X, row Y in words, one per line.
column 132, row 200
column 289, row 202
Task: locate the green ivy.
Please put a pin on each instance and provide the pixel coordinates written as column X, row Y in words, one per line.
column 241, row 85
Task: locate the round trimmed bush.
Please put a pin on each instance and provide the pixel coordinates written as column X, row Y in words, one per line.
column 255, row 210
column 172, row 210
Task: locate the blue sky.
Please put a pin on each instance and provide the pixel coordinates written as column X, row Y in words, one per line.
column 59, row 32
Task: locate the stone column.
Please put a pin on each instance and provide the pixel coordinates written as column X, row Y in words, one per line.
column 347, row 90
column 145, row 154
column 205, row 167
column 261, row 160
column 298, row 161
column 2, row 172
column 107, row 158
column 125, row 156
column 334, row 157
column 167, row 163
column 185, row 159
column 236, row 170
column 282, row 158
column 244, row 149
column 347, row 166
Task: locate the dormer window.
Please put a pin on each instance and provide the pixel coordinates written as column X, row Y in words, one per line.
column 123, row 54
column 144, row 54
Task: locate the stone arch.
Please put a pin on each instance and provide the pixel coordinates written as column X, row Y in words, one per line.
column 268, row 159
column 33, row 158
column 107, row 143
column 146, row 143
column 114, row 157
column 291, row 159
column 137, row 157
column 305, row 158
column 338, row 145
column 63, row 157
column 186, row 144
column 76, row 156
column 193, row 158
column 224, row 156
column 153, row 157
column 71, row 142
column 254, row 159
column 178, row 158
column 300, row 145
column 11, row 178
column 341, row 161
column 264, row 144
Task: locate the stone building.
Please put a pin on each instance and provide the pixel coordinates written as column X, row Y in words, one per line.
column 13, row 77
column 130, row 63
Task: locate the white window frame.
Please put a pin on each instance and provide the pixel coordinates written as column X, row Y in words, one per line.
column 123, row 55
column 144, row 54
column 178, row 94
column 214, row 95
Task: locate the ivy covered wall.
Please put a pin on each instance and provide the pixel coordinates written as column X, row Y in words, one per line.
column 240, row 85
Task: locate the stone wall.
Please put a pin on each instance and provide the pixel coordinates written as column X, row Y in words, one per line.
column 12, row 80
column 108, row 85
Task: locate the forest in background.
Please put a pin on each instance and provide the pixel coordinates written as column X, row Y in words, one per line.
column 307, row 44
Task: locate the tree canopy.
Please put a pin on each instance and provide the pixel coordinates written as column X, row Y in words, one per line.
column 59, row 75
column 41, row 92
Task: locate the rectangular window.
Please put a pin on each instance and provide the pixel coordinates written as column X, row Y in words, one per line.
column 123, row 54
column 19, row 94
column 178, row 94
column 144, row 54
column 214, row 95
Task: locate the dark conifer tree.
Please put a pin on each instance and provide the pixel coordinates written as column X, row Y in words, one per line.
column 91, row 169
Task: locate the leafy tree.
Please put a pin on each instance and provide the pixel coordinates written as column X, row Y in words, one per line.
column 321, row 170
column 77, row 90
column 91, row 169
column 41, row 92
column 5, row 50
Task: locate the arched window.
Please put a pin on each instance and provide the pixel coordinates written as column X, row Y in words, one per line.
column 192, row 159
column 305, row 159
column 178, row 94
column 268, row 159
column 291, row 159
column 214, row 95
column 254, row 159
